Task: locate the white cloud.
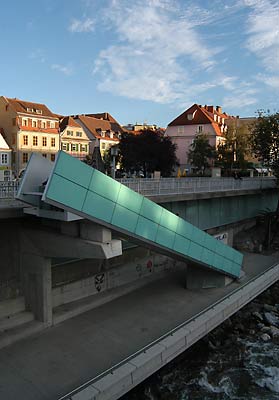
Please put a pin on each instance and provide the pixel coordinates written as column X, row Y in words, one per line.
column 263, row 31
column 87, row 25
column 272, row 81
column 38, row 55
column 240, row 99
column 159, row 51
column 64, row 69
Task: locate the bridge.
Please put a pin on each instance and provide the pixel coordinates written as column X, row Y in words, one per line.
column 71, row 259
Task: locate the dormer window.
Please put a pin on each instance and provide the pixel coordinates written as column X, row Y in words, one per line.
column 103, row 134
column 29, row 109
column 215, row 117
column 111, row 135
column 39, row 111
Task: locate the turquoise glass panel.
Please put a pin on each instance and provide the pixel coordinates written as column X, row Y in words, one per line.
column 181, row 244
column 198, row 236
column 207, row 256
column 66, row 192
column 74, row 170
column 219, row 262
column 98, row 207
column 146, row 229
column 237, row 257
column 129, row 199
column 184, row 228
column 124, row 218
column 210, row 242
column 169, row 220
column 151, row 210
column 195, row 251
column 165, row 237
column 104, row 186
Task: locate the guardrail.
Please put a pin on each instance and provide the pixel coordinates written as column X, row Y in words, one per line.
column 175, row 186
column 165, row 186
column 8, row 189
column 238, row 298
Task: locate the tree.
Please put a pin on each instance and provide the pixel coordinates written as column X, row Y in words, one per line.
column 232, row 152
column 265, row 140
column 148, row 151
column 265, row 143
column 201, row 152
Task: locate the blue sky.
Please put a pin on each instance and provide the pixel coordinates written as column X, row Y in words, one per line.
column 141, row 60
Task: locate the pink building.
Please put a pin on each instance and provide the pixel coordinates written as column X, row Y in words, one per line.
column 196, row 120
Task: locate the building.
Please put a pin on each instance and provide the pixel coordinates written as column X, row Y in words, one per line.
column 102, row 130
column 29, row 127
column 197, row 119
column 140, row 127
column 5, row 160
column 73, row 139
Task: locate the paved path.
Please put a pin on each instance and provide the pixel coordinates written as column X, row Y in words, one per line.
column 48, row 365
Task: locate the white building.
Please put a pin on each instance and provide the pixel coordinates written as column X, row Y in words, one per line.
column 5, row 160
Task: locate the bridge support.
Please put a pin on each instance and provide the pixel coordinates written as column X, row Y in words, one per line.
column 200, row 278
column 37, row 286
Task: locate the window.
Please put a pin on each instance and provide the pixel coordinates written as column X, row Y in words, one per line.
column 43, row 124
column 44, row 155
column 83, row 147
column 34, row 123
column 180, row 129
column 24, row 122
column 79, row 134
column 4, row 158
column 52, row 142
column 24, row 157
column 29, row 109
column 52, row 157
column 52, row 125
column 25, row 140
column 103, row 134
column 35, row 140
column 199, row 128
column 103, row 146
column 39, row 111
column 111, row 135
column 44, row 141
column 70, row 133
column 65, row 146
column 74, row 147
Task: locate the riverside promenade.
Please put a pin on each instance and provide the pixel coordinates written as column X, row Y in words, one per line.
column 48, row 365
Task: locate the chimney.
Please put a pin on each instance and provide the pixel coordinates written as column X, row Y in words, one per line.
column 219, row 109
column 210, row 109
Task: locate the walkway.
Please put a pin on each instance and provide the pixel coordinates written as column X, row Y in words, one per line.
column 48, row 365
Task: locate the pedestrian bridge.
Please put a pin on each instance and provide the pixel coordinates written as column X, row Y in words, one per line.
column 83, row 191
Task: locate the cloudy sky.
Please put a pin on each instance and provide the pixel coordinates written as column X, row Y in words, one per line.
column 141, row 60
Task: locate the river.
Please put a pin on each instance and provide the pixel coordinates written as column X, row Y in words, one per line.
column 238, row 360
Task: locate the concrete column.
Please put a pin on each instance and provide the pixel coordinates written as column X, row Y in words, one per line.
column 201, row 278
column 37, row 286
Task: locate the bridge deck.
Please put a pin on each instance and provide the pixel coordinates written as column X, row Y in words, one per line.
column 84, row 191
column 48, row 365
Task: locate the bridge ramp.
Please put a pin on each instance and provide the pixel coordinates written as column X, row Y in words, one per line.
column 76, row 187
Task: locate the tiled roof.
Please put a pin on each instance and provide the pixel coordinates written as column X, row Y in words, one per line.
column 200, row 115
column 68, row 121
column 96, row 126
column 27, row 107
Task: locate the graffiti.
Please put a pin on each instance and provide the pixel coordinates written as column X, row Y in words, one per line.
column 223, row 237
column 149, row 265
column 99, row 280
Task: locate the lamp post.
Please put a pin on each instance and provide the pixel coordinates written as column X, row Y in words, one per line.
column 114, row 153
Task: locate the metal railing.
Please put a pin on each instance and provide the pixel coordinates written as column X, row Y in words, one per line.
column 8, row 189
column 176, row 186
column 173, row 186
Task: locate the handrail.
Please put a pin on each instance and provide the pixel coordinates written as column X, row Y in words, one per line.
column 172, row 186
column 169, row 333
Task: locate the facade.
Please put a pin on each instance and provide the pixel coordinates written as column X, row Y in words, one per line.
column 196, row 120
column 102, row 130
column 73, row 139
column 5, row 160
column 139, row 127
column 28, row 127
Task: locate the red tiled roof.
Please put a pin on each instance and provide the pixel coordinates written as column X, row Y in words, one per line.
column 21, row 106
column 68, row 121
column 96, row 126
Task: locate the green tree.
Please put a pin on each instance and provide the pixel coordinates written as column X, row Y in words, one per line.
column 148, row 151
column 232, row 152
column 265, row 140
column 201, row 152
column 265, row 143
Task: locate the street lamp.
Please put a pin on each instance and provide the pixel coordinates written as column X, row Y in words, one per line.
column 114, row 153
